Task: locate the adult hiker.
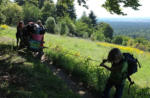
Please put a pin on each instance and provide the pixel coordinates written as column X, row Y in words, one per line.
column 118, row 75
column 42, row 31
column 19, row 33
column 37, row 38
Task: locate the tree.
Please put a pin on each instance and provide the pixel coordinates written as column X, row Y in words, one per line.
column 13, row 13
column 61, row 8
column 31, row 12
column 38, row 3
column 82, row 29
column 106, row 29
column 71, row 11
column 2, row 18
column 20, row 2
column 93, row 19
column 49, row 9
column 41, row 2
column 65, row 8
column 114, row 6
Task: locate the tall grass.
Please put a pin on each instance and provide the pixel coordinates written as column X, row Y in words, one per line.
column 85, row 49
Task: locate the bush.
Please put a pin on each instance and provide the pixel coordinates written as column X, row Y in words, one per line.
column 70, row 25
column 118, row 40
column 50, row 25
column 81, row 28
column 4, row 26
column 64, row 29
column 57, row 28
column 97, row 36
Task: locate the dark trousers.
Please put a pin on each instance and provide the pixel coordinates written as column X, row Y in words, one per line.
column 109, row 85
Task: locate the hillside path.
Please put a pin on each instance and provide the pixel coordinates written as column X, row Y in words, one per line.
column 75, row 87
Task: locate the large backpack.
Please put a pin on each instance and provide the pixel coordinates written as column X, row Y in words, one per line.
column 132, row 63
column 132, row 66
column 36, row 41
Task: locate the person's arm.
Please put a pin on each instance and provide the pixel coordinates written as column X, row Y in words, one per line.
column 107, row 68
column 129, row 79
column 103, row 65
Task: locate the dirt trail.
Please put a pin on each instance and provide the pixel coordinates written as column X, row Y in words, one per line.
column 77, row 88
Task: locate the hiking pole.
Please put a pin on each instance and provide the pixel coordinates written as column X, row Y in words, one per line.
column 131, row 83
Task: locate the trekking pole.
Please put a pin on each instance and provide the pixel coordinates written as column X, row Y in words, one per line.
column 138, row 63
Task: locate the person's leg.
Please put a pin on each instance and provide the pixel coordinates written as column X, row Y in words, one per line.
column 119, row 91
column 107, row 89
column 17, row 39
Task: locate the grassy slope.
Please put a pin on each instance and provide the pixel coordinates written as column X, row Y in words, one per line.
column 22, row 76
column 89, row 48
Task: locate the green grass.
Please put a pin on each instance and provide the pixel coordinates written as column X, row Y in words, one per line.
column 89, row 48
column 88, row 70
column 24, row 75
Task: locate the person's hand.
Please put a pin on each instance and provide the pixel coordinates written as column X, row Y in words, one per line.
column 104, row 60
column 102, row 64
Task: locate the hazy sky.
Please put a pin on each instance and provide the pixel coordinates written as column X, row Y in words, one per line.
column 99, row 11
column 95, row 5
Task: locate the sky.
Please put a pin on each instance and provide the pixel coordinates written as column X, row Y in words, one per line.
column 100, row 12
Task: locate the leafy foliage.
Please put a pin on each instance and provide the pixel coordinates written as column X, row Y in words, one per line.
column 106, row 29
column 48, row 10
column 13, row 13
column 31, row 12
column 50, row 24
column 93, row 19
column 114, row 6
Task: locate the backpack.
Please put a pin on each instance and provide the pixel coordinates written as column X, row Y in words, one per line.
column 132, row 66
column 132, row 63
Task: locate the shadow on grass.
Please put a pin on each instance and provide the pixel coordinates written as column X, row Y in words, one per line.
column 23, row 76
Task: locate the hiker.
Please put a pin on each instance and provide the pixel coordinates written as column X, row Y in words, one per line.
column 42, row 30
column 118, row 75
column 27, row 33
column 36, row 41
column 19, row 33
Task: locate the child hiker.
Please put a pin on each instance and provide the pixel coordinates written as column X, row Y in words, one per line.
column 118, row 75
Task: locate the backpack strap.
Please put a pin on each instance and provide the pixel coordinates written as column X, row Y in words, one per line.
column 138, row 63
column 131, row 83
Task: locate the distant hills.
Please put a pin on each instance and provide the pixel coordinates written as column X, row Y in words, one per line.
column 124, row 19
column 133, row 27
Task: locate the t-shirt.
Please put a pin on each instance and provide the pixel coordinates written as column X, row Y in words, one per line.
column 119, row 72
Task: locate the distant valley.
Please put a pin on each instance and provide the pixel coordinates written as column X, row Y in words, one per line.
column 134, row 27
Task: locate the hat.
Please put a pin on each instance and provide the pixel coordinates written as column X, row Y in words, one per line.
column 39, row 21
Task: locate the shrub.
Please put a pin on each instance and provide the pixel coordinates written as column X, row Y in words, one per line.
column 4, row 26
column 50, row 24
column 64, row 29
column 118, row 40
